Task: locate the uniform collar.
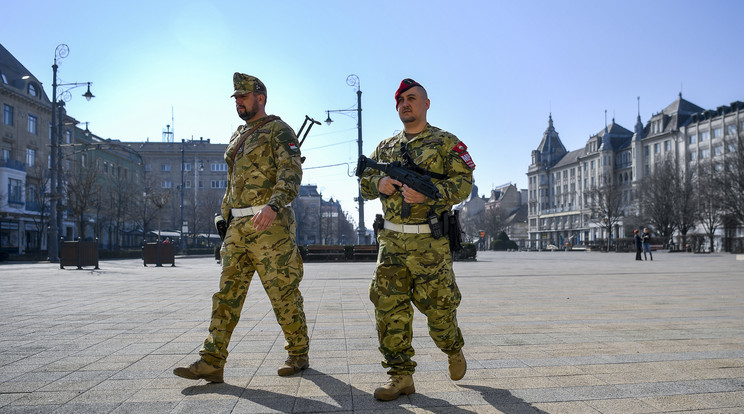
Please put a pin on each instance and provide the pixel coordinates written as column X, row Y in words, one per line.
column 421, row 135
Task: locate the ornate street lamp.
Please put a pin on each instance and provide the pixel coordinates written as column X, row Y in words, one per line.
column 55, row 219
column 353, row 81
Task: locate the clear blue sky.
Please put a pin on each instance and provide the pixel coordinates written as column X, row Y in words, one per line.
column 494, row 70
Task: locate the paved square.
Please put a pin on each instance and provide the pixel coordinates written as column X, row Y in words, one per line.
column 545, row 332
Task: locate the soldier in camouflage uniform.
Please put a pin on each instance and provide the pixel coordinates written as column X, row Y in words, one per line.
column 264, row 175
column 413, row 266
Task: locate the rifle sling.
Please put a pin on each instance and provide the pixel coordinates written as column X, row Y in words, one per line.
column 249, row 133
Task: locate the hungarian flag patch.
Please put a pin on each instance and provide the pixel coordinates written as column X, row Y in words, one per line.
column 292, row 146
column 462, row 151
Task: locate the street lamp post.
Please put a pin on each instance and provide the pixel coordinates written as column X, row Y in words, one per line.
column 353, row 81
column 55, row 167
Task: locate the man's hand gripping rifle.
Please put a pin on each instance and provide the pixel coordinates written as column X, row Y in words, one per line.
column 419, row 182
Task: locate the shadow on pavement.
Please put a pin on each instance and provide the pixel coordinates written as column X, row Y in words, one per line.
column 503, row 400
column 338, row 400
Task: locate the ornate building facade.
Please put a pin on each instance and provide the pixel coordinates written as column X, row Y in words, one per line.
column 559, row 210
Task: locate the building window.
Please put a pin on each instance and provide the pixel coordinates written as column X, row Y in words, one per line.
column 731, row 147
column 718, row 150
column 6, row 154
column 68, row 137
column 667, row 145
column 730, row 129
column 30, row 157
column 646, row 150
column 32, row 121
column 14, row 191
column 219, row 183
column 7, row 115
column 217, row 167
column 657, row 148
column 705, row 153
column 718, row 133
column 187, row 184
column 693, row 155
column 165, row 168
column 166, row 184
column 704, row 136
column 84, row 160
column 187, row 167
column 693, row 139
column 32, row 90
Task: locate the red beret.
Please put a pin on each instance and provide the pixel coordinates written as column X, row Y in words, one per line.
column 405, row 85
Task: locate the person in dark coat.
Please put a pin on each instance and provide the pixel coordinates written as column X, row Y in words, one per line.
column 638, row 243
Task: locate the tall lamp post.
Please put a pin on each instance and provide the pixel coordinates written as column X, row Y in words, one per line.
column 55, row 167
column 353, row 81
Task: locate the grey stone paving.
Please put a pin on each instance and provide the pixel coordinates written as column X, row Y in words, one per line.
column 546, row 332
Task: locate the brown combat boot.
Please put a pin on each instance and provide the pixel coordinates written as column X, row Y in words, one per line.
column 457, row 366
column 293, row 365
column 397, row 385
column 200, row 370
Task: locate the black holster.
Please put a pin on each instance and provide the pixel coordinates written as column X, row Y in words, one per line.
column 378, row 224
column 221, row 225
column 454, row 231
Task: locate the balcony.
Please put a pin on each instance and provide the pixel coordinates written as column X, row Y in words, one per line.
column 13, row 165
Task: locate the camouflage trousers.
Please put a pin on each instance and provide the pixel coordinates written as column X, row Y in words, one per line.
column 273, row 254
column 414, row 268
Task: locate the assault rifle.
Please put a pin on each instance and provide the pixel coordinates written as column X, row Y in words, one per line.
column 419, row 182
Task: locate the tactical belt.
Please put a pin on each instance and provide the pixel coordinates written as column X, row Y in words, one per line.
column 408, row 228
column 248, row 211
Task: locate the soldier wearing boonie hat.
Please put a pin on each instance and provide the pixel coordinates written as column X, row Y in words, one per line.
column 263, row 177
column 414, row 267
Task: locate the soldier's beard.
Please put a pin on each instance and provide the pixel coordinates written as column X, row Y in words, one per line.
column 245, row 114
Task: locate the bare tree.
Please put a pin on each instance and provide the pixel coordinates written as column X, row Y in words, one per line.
column 606, row 205
column 492, row 221
column 731, row 179
column 160, row 199
column 121, row 200
column 710, row 201
column 658, row 198
column 41, row 197
column 686, row 201
column 80, row 188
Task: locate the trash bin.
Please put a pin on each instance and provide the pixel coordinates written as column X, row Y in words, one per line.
column 158, row 254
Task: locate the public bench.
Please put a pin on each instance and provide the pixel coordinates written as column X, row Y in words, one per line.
column 325, row 253
column 365, row 253
column 655, row 247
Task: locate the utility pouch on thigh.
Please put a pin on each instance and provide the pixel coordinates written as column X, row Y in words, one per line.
column 435, row 224
column 454, row 231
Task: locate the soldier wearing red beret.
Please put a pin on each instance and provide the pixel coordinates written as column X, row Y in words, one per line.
column 414, row 266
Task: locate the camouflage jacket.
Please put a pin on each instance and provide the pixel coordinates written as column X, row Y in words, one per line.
column 434, row 150
column 267, row 169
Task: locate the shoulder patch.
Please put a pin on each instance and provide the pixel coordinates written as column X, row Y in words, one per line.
column 462, row 151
